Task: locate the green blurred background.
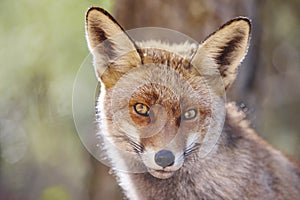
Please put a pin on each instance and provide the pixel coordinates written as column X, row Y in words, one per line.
column 43, row 45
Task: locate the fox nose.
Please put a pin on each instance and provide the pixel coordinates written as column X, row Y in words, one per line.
column 164, row 158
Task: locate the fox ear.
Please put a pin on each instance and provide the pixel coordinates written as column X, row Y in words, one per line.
column 224, row 50
column 114, row 52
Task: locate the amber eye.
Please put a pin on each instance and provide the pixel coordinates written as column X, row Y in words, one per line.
column 189, row 114
column 141, row 109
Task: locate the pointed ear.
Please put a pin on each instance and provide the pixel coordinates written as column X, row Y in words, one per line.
column 114, row 52
column 224, row 50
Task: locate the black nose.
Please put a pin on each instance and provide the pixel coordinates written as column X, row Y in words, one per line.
column 164, row 158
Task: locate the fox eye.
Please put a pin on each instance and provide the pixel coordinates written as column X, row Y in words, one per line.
column 141, row 109
column 189, row 114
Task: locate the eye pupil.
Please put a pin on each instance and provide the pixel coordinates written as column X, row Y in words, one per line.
column 141, row 109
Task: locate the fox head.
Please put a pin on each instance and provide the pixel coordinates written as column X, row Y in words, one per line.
column 160, row 101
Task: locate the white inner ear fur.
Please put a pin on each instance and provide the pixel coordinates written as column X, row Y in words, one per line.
column 224, row 50
column 108, row 42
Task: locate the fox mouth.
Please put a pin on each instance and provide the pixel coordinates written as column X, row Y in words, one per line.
column 161, row 174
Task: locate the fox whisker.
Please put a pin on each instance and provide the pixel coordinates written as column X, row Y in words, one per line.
column 190, row 149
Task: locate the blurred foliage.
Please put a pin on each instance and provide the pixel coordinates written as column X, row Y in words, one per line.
column 278, row 78
column 55, row 193
column 42, row 47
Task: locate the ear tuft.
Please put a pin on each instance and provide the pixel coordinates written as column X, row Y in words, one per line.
column 225, row 49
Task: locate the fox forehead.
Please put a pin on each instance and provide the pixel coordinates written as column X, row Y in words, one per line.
column 159, row 83
column 167, row 71
column 176, row 56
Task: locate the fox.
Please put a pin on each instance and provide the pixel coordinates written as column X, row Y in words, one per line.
column 165, row 125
